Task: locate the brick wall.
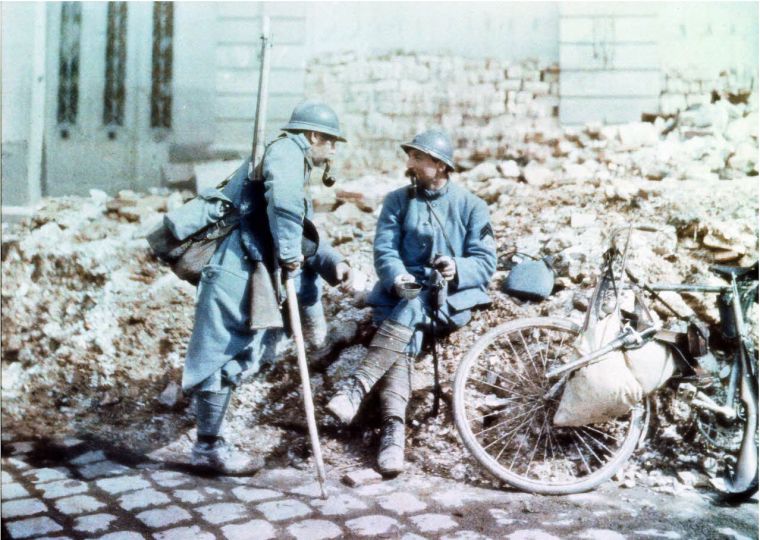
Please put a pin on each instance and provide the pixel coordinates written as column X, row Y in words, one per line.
column 384, row 100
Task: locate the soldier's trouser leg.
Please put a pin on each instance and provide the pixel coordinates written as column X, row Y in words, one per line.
column 210, row 407
column 394, row 397
column 211, row 452
column 386, row 349
column 395, row 389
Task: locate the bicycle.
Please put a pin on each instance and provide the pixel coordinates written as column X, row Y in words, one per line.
column 508, row 386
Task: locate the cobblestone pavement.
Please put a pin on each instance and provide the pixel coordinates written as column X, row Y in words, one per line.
column 73, row 489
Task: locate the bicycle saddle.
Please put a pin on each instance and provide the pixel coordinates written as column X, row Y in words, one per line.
column 737, row 271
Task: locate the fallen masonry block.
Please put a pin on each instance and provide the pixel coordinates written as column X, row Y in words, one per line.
column 363, row 477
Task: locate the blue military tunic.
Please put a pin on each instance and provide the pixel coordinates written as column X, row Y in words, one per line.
column 272, row 212
column 409, row 235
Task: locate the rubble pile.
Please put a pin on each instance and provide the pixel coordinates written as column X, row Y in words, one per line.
column 94, row 329
column 384, row 99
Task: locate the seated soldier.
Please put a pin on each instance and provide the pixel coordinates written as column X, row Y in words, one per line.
column 433, row 224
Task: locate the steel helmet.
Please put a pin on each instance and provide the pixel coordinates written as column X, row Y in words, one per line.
column 435, row 143
column 313, row 115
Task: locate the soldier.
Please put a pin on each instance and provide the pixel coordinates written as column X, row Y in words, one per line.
column 231, row 333
column 433, row 224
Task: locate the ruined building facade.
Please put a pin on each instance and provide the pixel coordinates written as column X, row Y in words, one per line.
column 105, row 95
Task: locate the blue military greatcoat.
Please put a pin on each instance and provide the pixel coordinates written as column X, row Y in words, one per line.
column 272, row 210
column 409, row 235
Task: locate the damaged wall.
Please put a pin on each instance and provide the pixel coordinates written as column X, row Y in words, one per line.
column 387, row 99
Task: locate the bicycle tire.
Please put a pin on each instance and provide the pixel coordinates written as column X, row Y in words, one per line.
column 626, row 432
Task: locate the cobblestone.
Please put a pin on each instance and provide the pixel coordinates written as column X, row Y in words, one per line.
column 170, row 479
column 19, row 464
column 281, row 503
column 281, row 510
column 62, row 488
column 531, row 534
column 222, row 512
column 23, row 447
column 163, row 517
column 39, row 476
column 14, row 491
column 401, row 503
column 32, row 527
column 184, row 533
column 122, row 535
column 191, row 496
column 338, row 505
column 122, row 483
column 433, row 522
column 142, row 499
column 22, row 507
column 258, row 528
column 250, row 494
column 78, row 504
column 89, row 457
column 372, row 525
column 102, row 468
column 94, row 523
column 313, row 529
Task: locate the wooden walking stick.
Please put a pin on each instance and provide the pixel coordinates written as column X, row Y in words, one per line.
column 308, row 403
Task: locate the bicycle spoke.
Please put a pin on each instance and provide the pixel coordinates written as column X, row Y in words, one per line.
column 502, row 423
column 559, row 349
column 578, row 436
column 603, row 434
column 517, row 359
column 513, row 432
column 504, row 378
column 532, row 361
column 492, row 385
column 540, row 352
column 583, row 459
column 600, row 443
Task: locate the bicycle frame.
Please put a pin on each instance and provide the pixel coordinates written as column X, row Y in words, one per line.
column 743, row 377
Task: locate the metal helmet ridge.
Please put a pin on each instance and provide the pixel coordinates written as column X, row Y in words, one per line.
column 434, row 143
column 313, row 115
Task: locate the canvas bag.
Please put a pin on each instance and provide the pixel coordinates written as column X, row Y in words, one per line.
column 612, row 386
column 187, row 236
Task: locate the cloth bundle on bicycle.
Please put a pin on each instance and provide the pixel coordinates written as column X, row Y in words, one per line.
column 612, row 386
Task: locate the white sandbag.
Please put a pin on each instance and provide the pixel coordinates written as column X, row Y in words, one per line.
column 604, row 390
column 651, row 365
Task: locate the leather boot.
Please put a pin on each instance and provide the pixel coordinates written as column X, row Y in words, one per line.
column 345, row 404
column 219, row 458
column 390, row 457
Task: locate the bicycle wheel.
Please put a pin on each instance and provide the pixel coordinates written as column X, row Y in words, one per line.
column 506, row 421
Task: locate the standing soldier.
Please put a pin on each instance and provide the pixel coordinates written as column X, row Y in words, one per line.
column 232, row 318
column 438, row 225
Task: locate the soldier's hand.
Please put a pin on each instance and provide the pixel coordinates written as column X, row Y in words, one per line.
column 292, row 266
column 403, row 278
column 446, row 266
column 344, row 275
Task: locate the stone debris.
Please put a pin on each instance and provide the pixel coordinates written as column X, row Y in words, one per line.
column 361, row 478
